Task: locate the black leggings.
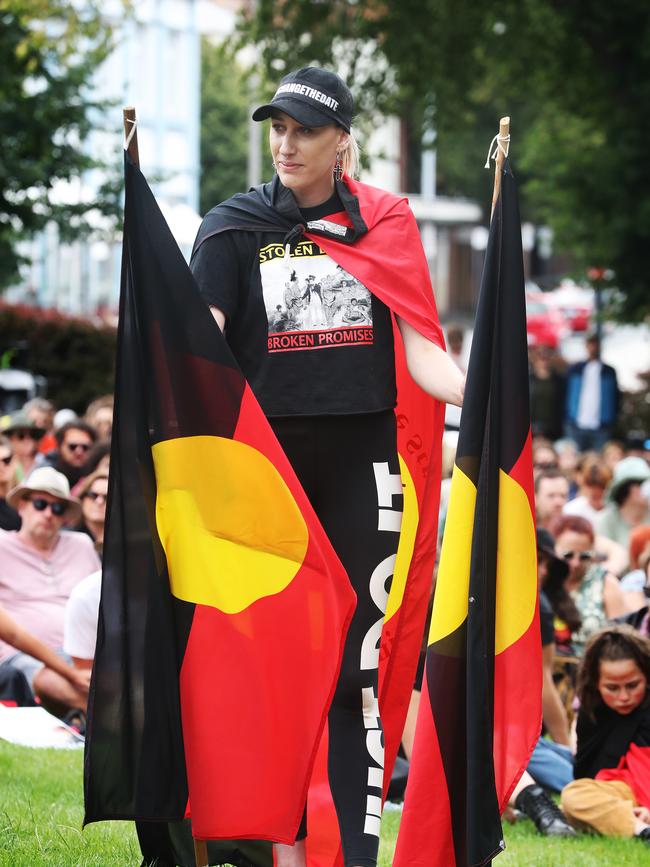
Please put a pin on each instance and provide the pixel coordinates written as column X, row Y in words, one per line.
column 349, row 469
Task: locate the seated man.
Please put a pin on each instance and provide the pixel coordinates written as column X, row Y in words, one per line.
column 628, row 506
column 551, row 495
column 74, row 441
column 12, row 678
column 39, row 566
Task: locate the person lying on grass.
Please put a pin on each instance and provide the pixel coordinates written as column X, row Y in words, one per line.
column 611, row 790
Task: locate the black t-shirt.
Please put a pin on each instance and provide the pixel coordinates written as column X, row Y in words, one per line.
column 604, row 740
column 309, row 337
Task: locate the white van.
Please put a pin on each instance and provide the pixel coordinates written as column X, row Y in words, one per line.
column 17, row 387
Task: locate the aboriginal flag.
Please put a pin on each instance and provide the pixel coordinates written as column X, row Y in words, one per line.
column 224, row 608
column 480, row 711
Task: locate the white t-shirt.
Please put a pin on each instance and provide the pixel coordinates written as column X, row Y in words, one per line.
column 588, row 417
column 81, row 615
column 580, row 506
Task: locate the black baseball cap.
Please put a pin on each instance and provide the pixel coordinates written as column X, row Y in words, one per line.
column 313, row 97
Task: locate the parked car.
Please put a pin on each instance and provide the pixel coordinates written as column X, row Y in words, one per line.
column 545, row 325
column 576, row 303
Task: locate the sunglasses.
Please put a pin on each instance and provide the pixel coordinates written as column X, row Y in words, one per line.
column 58, row 509
column 583, row 556
column 95, row 495
column 6, row 461
column 26, row 435
column 74, row 446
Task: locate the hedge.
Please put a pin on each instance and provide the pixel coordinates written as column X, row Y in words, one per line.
column 76, row 357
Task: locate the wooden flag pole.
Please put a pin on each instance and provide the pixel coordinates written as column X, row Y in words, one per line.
column 201, row 853
column 131, row 134
column 131, row 147
column 503, row 144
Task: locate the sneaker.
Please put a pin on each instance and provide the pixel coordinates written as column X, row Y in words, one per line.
column 545, row 813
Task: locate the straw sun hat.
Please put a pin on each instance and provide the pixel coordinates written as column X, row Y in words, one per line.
column 46, row 480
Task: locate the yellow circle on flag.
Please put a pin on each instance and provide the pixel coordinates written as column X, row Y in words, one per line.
column 516, row 591
column 230, row 527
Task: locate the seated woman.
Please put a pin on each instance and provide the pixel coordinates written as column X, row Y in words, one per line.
column 551, row 764
column 566, row 617
column 640, row 618
column 611, row 792
column 634, row 581
column 596, row 593
column 593, row 476
column 9, row 518
column 93, row 491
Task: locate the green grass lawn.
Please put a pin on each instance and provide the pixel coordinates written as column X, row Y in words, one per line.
column 41, row 814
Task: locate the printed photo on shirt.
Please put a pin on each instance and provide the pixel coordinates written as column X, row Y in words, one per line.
column 311, row 302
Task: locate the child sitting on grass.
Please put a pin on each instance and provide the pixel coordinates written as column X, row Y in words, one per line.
column 611, row 790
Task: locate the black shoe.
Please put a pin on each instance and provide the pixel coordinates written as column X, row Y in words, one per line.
column 76, row 719
column 545, row 813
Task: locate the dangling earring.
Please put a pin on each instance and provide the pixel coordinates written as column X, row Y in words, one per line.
column 275, row 168
column 338, row 167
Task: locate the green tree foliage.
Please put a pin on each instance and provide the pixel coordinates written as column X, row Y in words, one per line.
column 49, row 50
column 225, row 104
column 574, row 77
column 75, row 357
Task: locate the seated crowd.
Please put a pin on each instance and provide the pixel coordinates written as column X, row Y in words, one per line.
column 593, row 542
column 53, row 494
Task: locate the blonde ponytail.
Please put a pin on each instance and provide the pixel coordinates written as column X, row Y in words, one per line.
column 350, row 157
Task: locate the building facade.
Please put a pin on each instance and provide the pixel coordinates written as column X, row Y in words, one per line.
column 155, row 67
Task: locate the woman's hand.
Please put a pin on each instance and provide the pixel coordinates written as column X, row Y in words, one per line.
column 642, row 813
column 431, row 367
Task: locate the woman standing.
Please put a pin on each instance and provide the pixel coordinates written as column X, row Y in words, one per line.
column 329, row 391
